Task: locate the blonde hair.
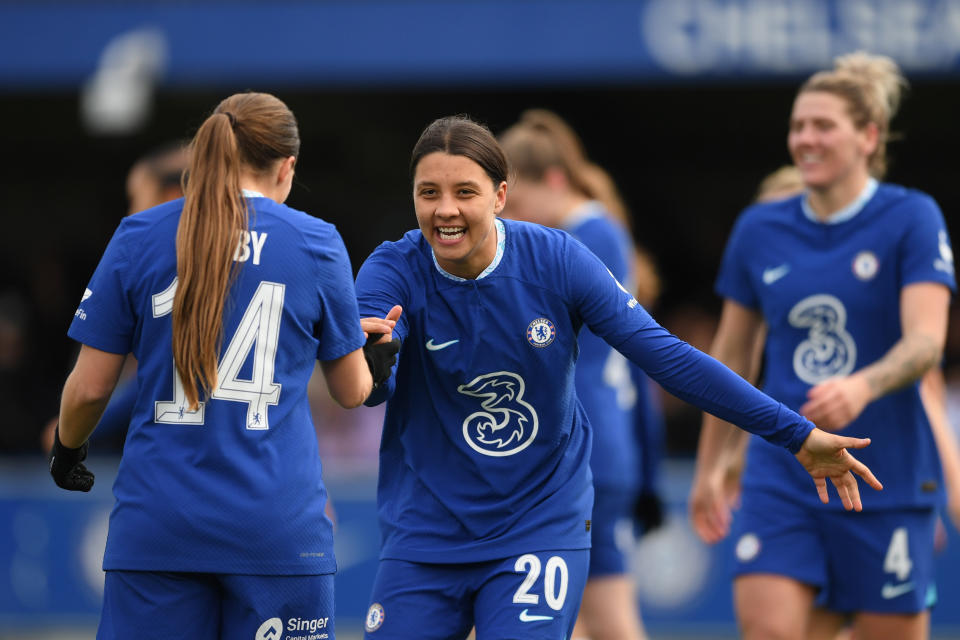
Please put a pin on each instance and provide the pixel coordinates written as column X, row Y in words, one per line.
column 249, row 130
column 782, row 183
column 872, row 86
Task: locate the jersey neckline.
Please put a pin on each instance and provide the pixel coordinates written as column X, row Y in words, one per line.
column 501, row 241
column 846, row 213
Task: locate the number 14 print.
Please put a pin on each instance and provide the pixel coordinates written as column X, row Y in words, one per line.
column 259, row 330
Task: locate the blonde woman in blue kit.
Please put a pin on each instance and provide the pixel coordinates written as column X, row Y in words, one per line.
column 850, row 281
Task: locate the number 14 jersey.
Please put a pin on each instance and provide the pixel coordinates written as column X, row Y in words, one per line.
column 234, row 486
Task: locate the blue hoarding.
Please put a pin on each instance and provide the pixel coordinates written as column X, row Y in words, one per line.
column 51, row 546
column 469, row 43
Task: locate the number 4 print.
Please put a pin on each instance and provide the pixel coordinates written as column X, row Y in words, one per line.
column 897, row 560
column 259, row 330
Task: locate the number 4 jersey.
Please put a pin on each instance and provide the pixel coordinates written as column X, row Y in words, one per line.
column 233, row 486
column 830, row 295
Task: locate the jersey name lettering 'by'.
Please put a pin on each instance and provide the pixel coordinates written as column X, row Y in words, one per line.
column 248, row 238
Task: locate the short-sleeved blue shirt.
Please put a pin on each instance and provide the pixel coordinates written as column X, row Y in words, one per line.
column 235, row 486
column 830, row 295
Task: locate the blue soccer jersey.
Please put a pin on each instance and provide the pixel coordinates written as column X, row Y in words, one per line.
column 234, row 486
column 830, row 295
column 603, row 380
column 485, row 449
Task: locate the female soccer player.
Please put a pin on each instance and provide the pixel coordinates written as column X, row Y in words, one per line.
column 851, row 281
column 555, row 185
column 484, row 488
column 226, row 298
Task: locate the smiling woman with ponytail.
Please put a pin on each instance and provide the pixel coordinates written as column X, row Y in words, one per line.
column 226, row 298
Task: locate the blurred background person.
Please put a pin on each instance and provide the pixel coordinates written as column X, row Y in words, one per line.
column 554, row 184
column 24, row 408
column 155, row 178
column 851, row 282
column 787, row 182
column 158, row 176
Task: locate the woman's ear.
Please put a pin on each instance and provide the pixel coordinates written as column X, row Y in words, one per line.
column 501, row 198
column 871, row 138
column 285, row 172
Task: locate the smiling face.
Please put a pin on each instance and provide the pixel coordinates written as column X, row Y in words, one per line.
column 826, row 146
column 456, row 204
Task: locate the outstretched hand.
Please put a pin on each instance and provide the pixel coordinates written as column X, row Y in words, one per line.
column 824, row 455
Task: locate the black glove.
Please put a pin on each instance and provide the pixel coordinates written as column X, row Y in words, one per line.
column 647, row 513
column 380, row 357
column 67, row 468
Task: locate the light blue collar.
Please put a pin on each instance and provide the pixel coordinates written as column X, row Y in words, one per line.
column 501, row 238
column 586, row 211
column 848, row 211
column 250, row 193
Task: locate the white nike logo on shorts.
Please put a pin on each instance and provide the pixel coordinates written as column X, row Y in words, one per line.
column 526, row 617
column 890, row 591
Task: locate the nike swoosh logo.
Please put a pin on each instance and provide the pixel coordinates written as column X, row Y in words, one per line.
column 771, row 275
column 890, row 591
column 442, row 345
column 526, row 617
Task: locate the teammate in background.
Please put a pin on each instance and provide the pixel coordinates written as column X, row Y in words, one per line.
column 485, row 495
column 933, row 392
column 554, row 184
column 851, row 282
column 226, row 298
column 785, row 182
column 155, row 178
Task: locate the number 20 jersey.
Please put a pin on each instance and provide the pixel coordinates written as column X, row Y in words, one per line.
column 235, row 487
column 830, row 295
column 486, row 450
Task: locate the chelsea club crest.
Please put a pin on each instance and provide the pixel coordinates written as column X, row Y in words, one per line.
column 541, row 332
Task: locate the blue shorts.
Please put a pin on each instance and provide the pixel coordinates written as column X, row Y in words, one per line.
column 877, row 562
column 147, row 605
column 611, row 531
column 534, row 596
